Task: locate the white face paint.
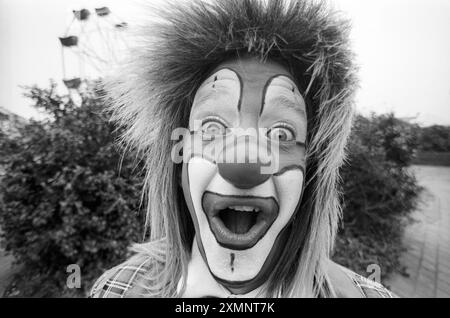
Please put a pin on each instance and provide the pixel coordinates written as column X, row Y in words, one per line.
column 247, row 263
column 238, row 212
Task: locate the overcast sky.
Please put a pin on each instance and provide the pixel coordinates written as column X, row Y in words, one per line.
column 402, row 47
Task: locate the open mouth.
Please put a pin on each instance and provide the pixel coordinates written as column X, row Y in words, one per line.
column 239, row 222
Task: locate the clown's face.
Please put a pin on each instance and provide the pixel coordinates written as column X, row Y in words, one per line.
column 243, row 172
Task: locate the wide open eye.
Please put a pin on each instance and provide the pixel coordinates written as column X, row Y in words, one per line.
column 213, row 127
column 281, row 133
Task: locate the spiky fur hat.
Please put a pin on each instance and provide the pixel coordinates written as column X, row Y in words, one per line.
column 154, row 92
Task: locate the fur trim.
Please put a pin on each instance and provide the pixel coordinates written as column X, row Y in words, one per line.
column 154, row 92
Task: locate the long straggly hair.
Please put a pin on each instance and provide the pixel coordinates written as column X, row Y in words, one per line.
column 153, row 95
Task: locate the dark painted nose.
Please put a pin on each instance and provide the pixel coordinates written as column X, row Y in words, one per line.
column 243, row 175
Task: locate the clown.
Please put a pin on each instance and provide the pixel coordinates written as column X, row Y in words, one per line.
column 241, row 110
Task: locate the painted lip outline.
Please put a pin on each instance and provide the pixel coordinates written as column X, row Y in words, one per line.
column 213, row 203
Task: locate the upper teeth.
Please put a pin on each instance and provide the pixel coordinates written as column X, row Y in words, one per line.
column 245, row 208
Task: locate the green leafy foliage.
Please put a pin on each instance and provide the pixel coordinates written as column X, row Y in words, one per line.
column 378, row 191
column 68, row 196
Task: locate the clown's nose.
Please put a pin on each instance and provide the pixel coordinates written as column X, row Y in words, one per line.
column 243, row 175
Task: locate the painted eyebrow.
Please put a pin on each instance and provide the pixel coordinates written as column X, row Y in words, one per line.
column 214, row 77
column 208, row 95
column 288, row 103
column 285, row 78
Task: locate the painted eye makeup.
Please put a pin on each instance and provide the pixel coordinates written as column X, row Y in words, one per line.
column 213, row 126
column 281, row 132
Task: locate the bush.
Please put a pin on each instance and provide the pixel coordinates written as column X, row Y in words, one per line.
column 435, row 139
column 429, row 158
column 68, row 196
column 434, row 149
column 379, row 191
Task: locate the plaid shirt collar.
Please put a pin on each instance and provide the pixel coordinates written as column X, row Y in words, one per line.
column 120, row 281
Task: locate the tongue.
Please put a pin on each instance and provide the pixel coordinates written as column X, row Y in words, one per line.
column 238, row 222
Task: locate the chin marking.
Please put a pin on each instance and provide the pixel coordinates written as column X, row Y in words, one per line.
column 232, row 261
